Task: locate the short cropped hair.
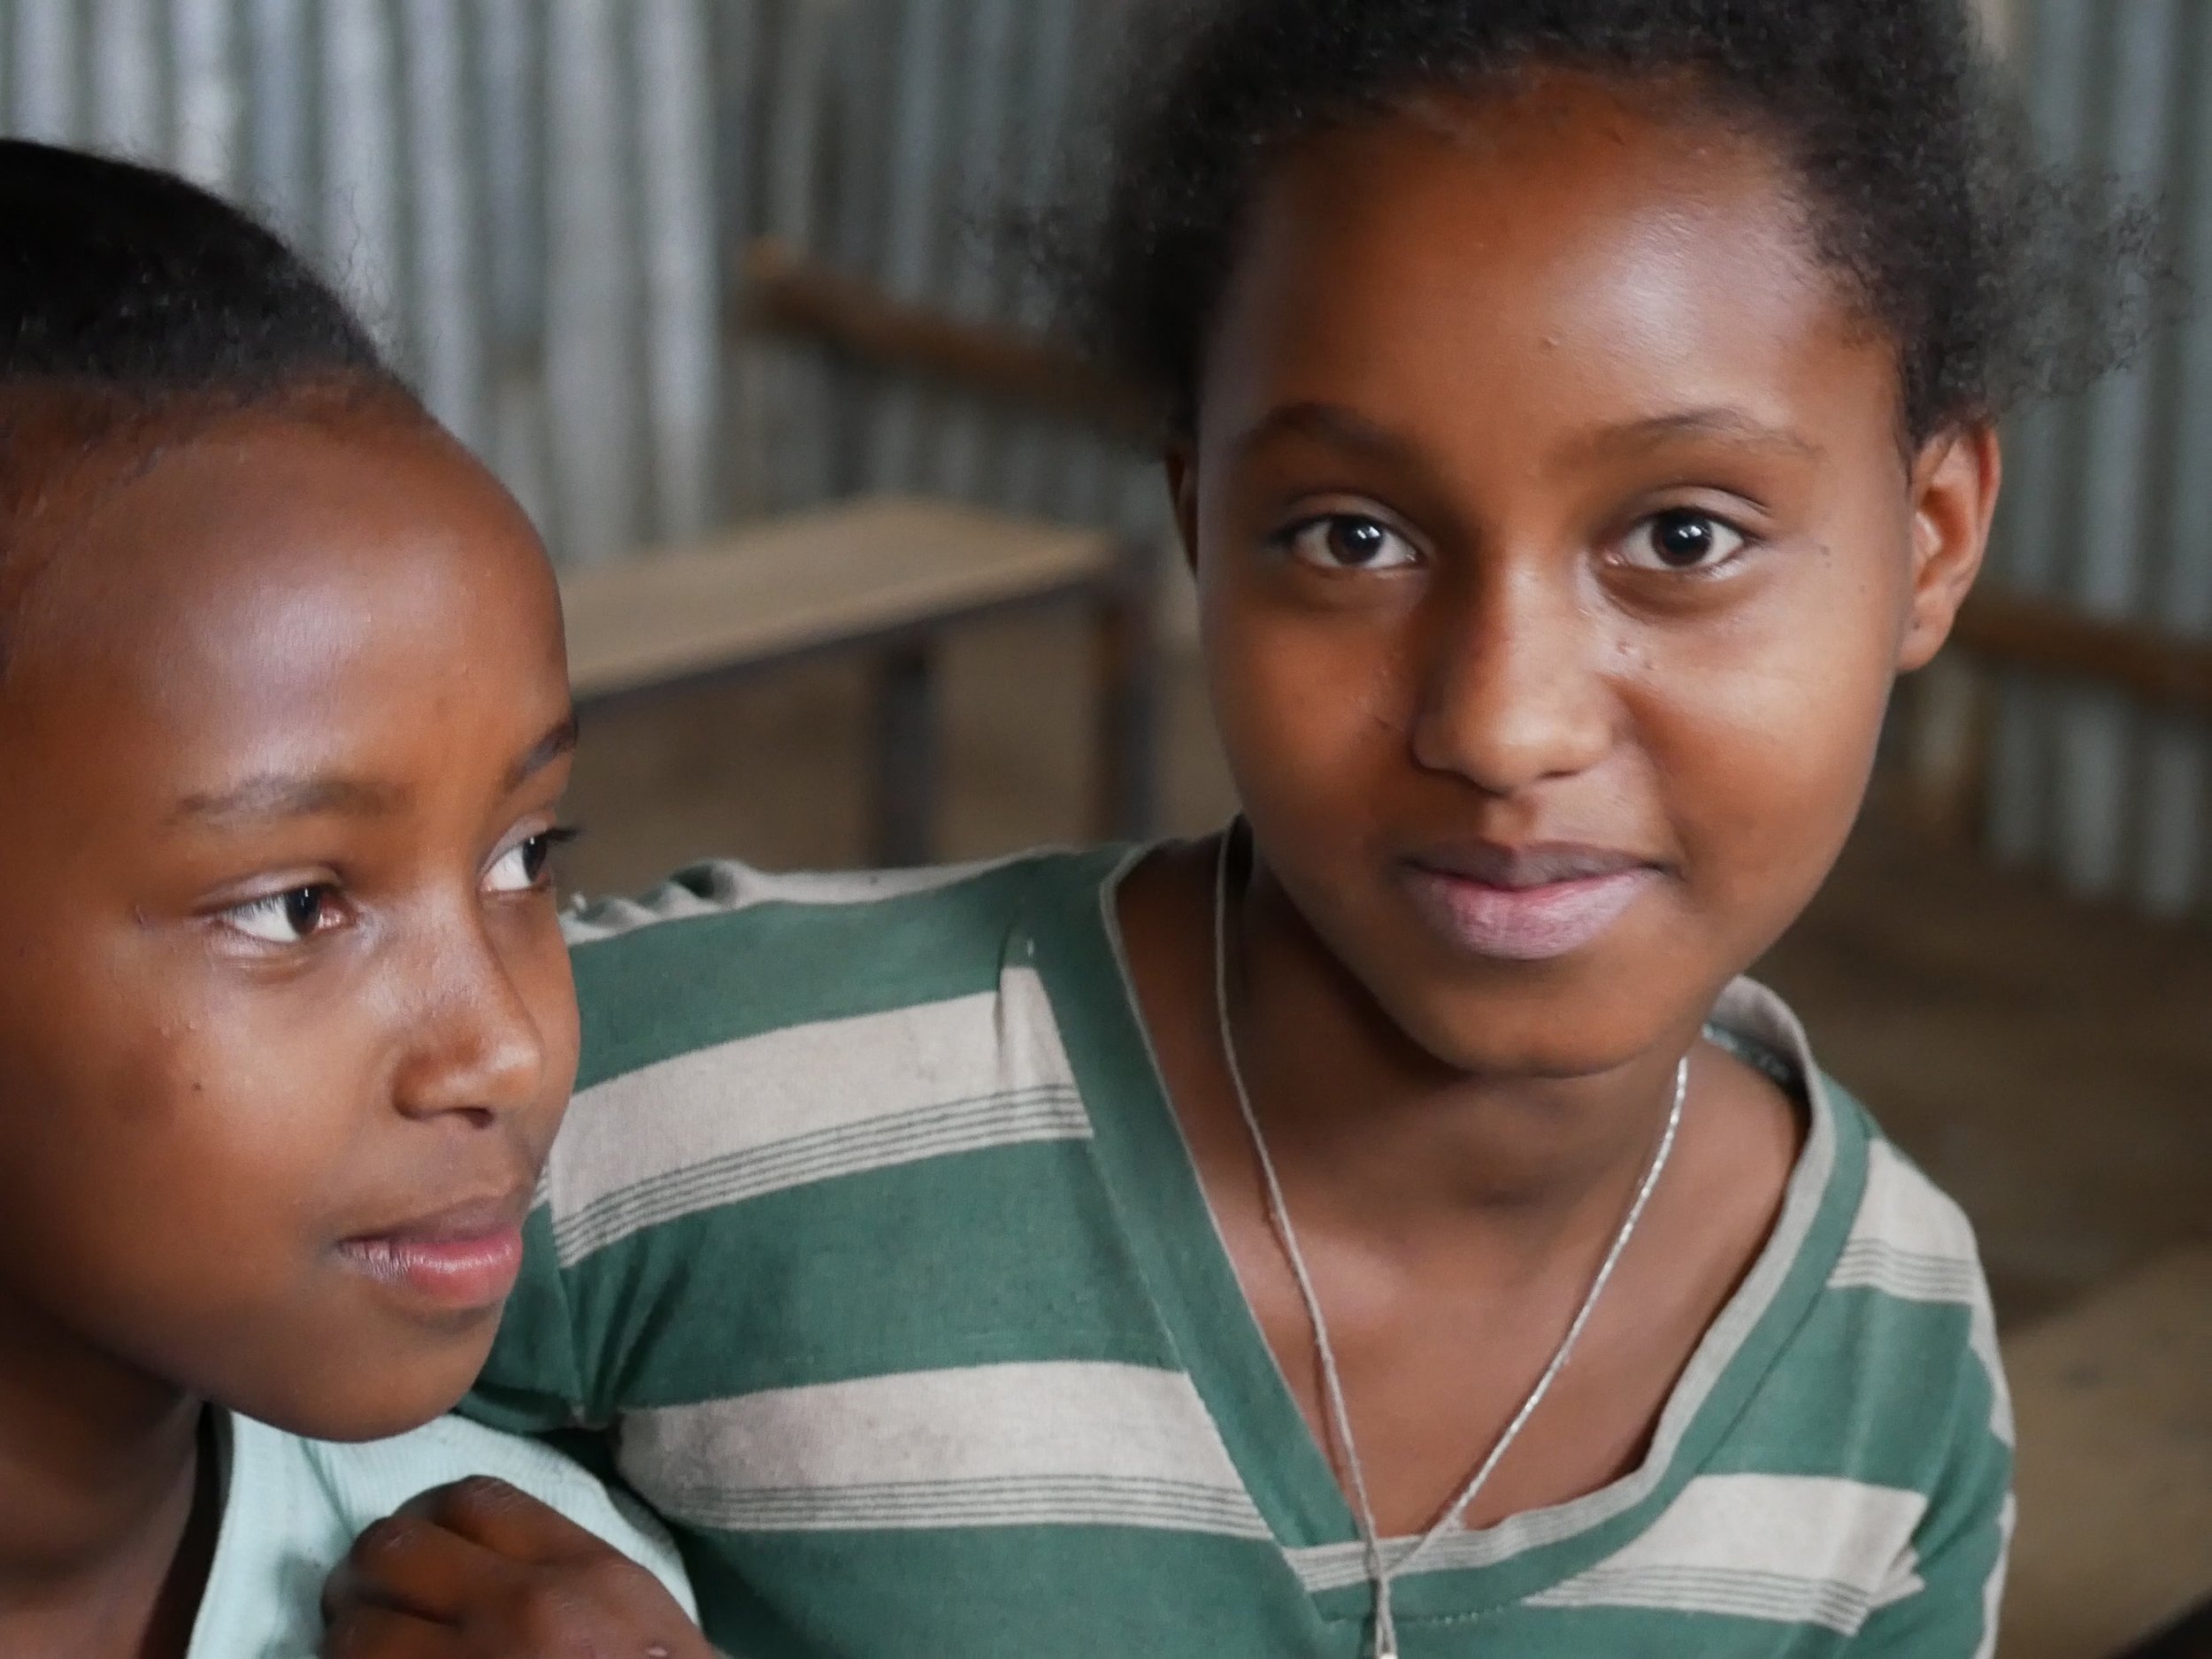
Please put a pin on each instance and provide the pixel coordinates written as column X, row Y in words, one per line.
column 132, row 280
column 133, row 301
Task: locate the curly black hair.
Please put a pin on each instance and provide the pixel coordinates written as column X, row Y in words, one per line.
column 1999, row 279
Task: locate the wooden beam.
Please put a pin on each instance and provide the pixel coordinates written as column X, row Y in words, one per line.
column 784, row 293
column 2161, row 669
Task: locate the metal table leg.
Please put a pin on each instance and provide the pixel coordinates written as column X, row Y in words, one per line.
column 1128, row 700
column 906, row 755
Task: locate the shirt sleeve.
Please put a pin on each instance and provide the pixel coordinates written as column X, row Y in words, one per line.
column 534, row 1380
column 1965, row 1537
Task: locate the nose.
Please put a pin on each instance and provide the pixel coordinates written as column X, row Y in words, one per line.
column 1513, row 690
column 475, row 1048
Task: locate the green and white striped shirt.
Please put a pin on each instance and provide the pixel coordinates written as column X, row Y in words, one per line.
column 873, row 1242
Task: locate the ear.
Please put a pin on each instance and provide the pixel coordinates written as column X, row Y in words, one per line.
column 1955, row 485
column 1182, row 488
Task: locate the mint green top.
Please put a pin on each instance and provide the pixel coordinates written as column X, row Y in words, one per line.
column 873, row 1244
column 293, row 1507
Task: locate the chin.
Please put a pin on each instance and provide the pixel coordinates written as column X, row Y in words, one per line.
column 349, row 1395
column 380, row 1421
column 1507, row 1036
column 1572, row 1017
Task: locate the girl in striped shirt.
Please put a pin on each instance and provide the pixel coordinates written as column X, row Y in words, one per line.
column 1391, row 1227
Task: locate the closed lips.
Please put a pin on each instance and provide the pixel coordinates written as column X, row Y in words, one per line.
column 1527, row 904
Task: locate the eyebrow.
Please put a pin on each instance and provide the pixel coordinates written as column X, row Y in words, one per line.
column 1331, row 423
column 276, row 796
column 560, row 740
column 1731, row 426
column 288, row 795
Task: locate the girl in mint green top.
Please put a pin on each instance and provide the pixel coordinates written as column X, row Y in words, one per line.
column 286, row 1019
column 1392, row 1228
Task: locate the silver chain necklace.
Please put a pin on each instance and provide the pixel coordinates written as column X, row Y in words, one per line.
column 1381, row 1572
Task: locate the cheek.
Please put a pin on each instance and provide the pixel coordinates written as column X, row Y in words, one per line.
column 266, row 1112
column 187, row 1118
column 1311, row 715
column 546, row 982
column 1764, row 741
column 170, row 1170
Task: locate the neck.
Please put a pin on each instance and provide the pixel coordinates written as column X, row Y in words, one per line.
column 1395, row 1141
column 106, row 1512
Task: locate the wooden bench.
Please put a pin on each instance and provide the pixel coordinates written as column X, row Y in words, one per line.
column 888, row 577
column 2189, row 1638
column 2114, row 1403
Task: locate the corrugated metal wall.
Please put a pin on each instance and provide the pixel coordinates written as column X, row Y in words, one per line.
column 895, row 136
column 539, row 199
column 522, row 194
column 2109, row 503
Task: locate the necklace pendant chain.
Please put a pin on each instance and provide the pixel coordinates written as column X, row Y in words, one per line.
column 1381, row 1570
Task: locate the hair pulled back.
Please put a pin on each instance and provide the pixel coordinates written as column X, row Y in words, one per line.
column 1997, row 278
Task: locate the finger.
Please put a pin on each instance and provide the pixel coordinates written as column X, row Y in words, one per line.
column 508, row 1522
column 410, row 1565
column 383, row 1632
column 602, row 1606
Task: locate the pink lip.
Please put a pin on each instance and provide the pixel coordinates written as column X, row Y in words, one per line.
column 463, row 1258
column 1529, row 904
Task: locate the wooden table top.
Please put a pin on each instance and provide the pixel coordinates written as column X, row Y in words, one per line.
column 846, row 572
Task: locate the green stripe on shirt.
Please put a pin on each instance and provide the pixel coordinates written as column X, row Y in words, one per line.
column 873, row 1242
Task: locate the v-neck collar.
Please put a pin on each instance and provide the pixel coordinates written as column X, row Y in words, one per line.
column 1172, row 1233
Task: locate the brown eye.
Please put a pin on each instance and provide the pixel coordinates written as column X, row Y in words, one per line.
column 522, row 866
column 1350, row 542
column 1683, row 540
column 285, row 919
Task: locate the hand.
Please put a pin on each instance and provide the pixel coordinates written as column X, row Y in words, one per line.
column 479, row 1571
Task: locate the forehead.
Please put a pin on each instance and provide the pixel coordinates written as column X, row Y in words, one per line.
column 167, row 544
column 1559, row 252
column 271, row 591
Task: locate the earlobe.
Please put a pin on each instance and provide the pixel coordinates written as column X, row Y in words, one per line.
column 1955, row 482
column 1182, row 488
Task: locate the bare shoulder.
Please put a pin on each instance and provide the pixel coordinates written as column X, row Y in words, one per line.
column 1762, row 1124
column 1163, row 905
column 1742, row 1135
